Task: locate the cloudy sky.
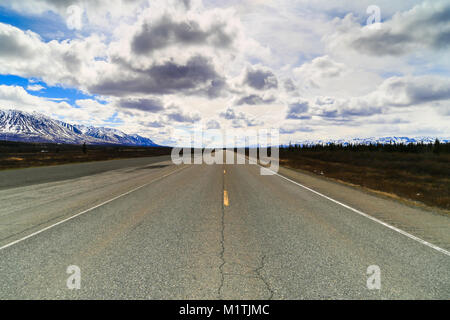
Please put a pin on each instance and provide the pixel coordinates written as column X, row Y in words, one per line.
column 316, row 69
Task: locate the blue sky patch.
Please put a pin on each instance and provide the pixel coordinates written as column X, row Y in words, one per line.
column 70, row 95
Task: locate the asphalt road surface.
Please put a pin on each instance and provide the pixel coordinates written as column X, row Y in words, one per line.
column 152, row 230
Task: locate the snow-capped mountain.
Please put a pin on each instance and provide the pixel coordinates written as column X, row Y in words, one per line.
column 34, row 127
column 373, row 140
column 115, row 136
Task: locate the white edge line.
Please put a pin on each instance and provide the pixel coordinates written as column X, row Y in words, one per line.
column 426, row 243
column 87, row 210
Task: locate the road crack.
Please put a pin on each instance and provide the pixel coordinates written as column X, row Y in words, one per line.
column 222, row 244
column 257, row 271
column 260, row 277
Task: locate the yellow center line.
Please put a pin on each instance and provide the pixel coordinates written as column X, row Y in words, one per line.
column 226, row 203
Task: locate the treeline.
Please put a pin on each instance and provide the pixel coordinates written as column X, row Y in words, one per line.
column 437, row 147
column 18, row 147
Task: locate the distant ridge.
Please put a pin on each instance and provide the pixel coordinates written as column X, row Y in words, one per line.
column 372, row 140
column 34, row 127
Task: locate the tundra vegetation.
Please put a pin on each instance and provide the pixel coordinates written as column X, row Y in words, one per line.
column 418, row 172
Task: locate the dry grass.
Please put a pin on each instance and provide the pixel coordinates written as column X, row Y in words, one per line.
column 23, row 155
column 423, row 177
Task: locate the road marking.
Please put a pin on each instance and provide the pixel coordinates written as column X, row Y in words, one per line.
column 88, row 210
column 426, row 243
column 226, row 203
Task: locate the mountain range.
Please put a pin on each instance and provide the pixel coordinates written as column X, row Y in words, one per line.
column 34, row 127
column 373, row 140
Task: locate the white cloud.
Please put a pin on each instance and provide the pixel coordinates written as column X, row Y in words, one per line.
column 98, row 13
column 240, row 119
column 163, row 64
column 426, row 26
column 87, row 112
column 35, row 87
column 318, row 70
column 70, row 63
column 395, row 92
column 16, row 97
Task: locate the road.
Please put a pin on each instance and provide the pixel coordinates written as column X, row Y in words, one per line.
column 153, row 230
